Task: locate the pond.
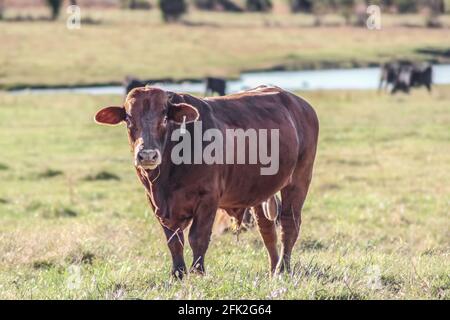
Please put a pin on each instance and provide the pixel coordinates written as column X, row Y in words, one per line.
column 330, row 79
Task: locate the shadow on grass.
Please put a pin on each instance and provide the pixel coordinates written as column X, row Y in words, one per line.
column 345, row 295
column 392, row 283
column 43, row 265
column 81, row 257
column 50, row 211
column 436, row 52
column 49, row 173
column 64, row 212
column 351, row 162
column 31, row 18
column 329, row 187
column 312, row 245
column 77, row 257
column 102, row 175
column 323, row 273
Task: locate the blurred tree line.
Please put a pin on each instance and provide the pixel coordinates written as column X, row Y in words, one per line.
column 399, row 6
column 350, row 9
column 353, row 11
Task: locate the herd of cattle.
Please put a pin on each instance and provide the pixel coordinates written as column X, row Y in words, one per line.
column 396, row 76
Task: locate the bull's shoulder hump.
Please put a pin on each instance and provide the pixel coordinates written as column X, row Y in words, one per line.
column 254, row 92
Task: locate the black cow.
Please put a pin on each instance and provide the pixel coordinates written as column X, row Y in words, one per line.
column 172, row 10
column 402, row 80
column 217, row 85
column 422, row 75
column 130, row 83
column 402, row 75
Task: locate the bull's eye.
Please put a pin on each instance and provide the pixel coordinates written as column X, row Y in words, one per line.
column 129, row 123
column 164, row 121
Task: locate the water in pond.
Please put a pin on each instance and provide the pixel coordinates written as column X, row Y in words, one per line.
column 332, row 79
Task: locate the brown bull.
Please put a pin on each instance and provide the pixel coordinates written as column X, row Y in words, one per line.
column 183, row 194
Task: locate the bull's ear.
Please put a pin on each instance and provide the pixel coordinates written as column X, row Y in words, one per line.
column 177, row 112
column 110, row 115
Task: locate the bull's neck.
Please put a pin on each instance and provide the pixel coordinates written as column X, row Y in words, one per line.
column 156, row 184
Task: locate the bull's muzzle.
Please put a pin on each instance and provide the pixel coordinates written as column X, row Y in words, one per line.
column 148, row 159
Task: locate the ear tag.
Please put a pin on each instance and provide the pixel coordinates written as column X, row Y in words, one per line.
column 183, row 126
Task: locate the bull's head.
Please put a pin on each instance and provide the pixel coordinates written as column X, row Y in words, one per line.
column 148, row 114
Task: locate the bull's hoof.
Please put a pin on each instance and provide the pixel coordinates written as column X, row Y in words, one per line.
column 197, row 269
column 281, row 269
column 179, row 273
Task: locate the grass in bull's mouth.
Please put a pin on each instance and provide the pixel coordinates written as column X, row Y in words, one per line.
column 375, row 224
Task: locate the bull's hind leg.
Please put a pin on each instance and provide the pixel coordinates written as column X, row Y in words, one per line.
column 292, row 199
column 268, row 233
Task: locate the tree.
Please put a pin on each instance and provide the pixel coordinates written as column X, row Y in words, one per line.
column 205, row 4
column 406, row 6
column 305, row 6
column 432, row 10
column 346, row 8
column 55, row 6
column 229, row 5
column 259, row 5
column 2, row 8
column 319, row 9
column 219, row 5
column 172, row 10
column 136, row 4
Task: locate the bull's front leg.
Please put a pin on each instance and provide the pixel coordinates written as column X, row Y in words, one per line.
column 175, row 241
column 200, row 234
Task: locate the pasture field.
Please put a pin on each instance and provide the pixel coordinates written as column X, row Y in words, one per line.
column 219, row 44
column 74, row 222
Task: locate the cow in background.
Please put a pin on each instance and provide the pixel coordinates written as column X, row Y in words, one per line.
column 403, row 75
column 131, row 83
column 216, row 85
column 389, row 73
column 422, row 75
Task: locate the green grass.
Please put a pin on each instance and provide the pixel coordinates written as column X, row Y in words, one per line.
column 375, row 224
column 138, row 43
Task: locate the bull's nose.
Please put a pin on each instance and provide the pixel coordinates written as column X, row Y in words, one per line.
column 148, row 157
